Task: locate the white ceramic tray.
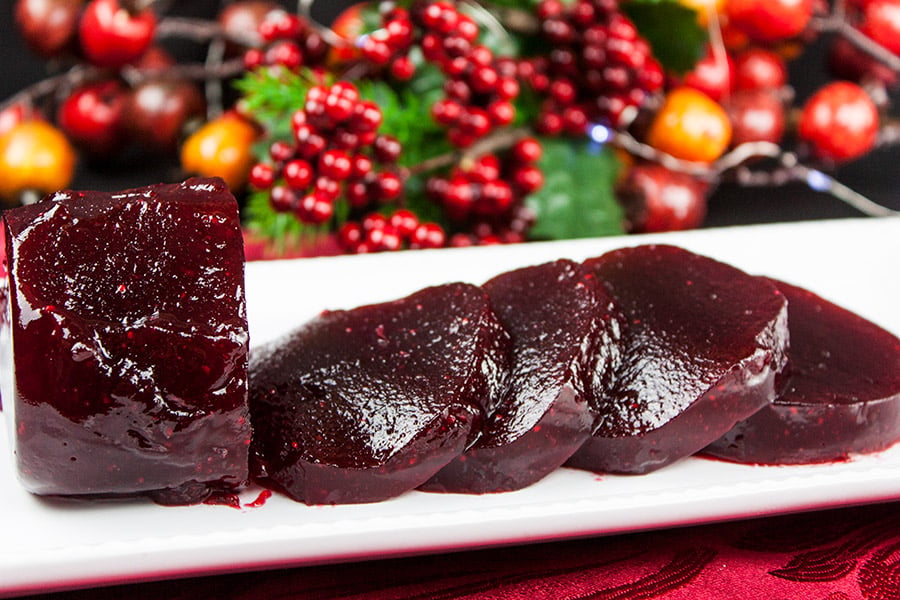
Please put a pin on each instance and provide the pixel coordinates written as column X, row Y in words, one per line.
column 51, row 544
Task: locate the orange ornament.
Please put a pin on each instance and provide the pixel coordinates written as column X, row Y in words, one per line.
column 690, row 126
column 35, row 155
column 221, row 148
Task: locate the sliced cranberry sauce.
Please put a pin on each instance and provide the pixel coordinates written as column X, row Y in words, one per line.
column 363, row 405
column 841, row 392
column 701, row 347
column 558, row 317
column 130, row 342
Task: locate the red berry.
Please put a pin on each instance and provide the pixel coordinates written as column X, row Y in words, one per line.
column 839, row 122
column 467, row 28
column 298, row 174
column 528, row 179
column 758, row 68
column 756, row 116
column 485, row 168
column 262, row 176
column 314, row 208
column 254, row 58
column 389, row 186
column 458, row 198
column 362, row 166
column 374, row 221
column 387, row 148
column 357, row 194
column 475, row 121
column 376, row 51
column 404, row 222
column 366, row 116
column 285, row 54
column 282, row 199
column 501, row 112
column 483, row 79
column 335, row 164
column 527, row 150
column 112, row 37
column 496, row 198
column 446, row 112
column 575, row 120
column 770, row 20
column 327, row 188
column 338, row 108
column 312, row 146
column 281, row 151
column 428, row 235
column 549, row 8
column 712, row 75
column 403, row 68
column 549, row 123
column 350, row 235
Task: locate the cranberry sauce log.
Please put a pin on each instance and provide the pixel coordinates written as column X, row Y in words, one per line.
column 841, row 393
column 559, row 321
column 702, row 345
column 130, row 342
column 363, row 405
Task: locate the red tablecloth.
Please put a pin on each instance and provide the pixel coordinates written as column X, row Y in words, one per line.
column 844, row 554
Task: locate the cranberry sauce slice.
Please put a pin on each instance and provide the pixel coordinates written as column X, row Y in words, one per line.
column 841, row 391
column 557, row 316
column 130, row 342
column 363, row 405
column 702, row 345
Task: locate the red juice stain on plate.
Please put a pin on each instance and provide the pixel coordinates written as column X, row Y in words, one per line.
column 260, row 499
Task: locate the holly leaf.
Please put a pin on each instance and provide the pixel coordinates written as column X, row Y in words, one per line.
column 577, row 199
column 672, row 31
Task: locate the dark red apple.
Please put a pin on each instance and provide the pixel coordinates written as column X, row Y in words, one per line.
column 111, row 36
column 48, row 26
column 92, row 116
column 157, row 111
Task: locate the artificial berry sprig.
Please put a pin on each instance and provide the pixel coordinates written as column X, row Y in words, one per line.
column 599, row 68
column 336, row 153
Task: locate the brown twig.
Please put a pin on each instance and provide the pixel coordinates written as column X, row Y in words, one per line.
column 499, row 140
column 837, row 23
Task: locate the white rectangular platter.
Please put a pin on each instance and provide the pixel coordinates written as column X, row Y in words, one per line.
column 50, row 544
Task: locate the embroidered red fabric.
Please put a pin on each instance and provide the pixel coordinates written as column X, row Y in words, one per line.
column 841, row 554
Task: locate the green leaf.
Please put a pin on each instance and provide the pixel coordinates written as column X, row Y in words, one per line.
column 577, row 198
column 676, row 38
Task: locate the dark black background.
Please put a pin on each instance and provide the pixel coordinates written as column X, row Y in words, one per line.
column 877, row 176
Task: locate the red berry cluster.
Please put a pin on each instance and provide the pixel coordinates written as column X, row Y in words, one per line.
column 480, row 88
column 486, row 197
column 390, row 45
column 290, row 43
column 336, row 145
column 378, row 233
column 598, row 67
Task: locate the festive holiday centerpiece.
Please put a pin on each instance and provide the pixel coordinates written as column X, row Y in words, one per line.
column 430, row 123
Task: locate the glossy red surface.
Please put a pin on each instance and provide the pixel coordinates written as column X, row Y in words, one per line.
column 130, row 342
column 841, row 391
column 559, row 321
column 701, row 346
column 363, row 405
